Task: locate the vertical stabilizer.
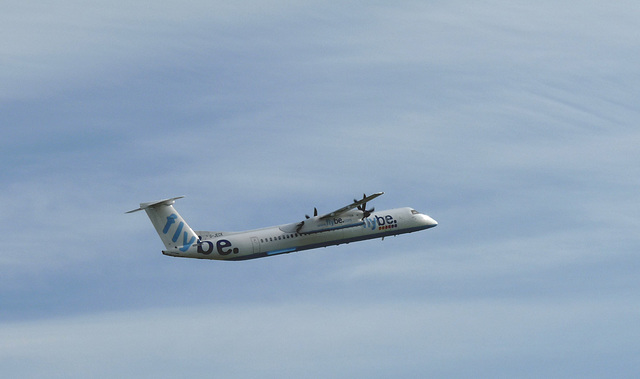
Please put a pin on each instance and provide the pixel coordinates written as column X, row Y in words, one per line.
column 174, row 232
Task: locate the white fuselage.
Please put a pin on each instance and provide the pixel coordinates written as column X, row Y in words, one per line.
column 349, row 227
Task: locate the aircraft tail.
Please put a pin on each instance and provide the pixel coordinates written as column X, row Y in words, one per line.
column 174, row 232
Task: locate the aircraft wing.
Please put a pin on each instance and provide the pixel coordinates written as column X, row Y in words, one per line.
column 355, row 204
column 327, row 221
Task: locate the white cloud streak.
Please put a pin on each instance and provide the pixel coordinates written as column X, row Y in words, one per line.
column 301, row 339
column 513, row 124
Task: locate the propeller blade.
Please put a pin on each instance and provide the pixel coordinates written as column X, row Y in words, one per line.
column 315, row 213
column 366, row 213
column 364, row 205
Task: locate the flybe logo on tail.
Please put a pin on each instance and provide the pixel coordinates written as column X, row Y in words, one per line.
column 176, row 235
column 382, row 223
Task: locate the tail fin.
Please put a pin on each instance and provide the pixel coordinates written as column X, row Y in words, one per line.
column 171, row 227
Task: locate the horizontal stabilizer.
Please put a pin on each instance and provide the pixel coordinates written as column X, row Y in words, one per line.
column 156, row 203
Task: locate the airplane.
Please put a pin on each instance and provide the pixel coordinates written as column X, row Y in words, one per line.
column 351, row 223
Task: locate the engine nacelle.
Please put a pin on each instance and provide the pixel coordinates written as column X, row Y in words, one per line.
column 324, row 224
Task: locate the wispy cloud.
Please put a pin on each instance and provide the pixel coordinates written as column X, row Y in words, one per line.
column 513, row 124
column 412, row 337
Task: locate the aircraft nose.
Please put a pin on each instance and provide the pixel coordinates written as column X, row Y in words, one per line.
column 430, row 222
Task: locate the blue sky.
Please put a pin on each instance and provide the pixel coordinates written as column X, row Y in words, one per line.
column 513, row 124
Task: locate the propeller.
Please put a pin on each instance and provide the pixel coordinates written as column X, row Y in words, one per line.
column 301, row 224
column 363, row 207
column 315, row 213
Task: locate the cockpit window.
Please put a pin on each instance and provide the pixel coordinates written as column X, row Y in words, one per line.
column 414, row 212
